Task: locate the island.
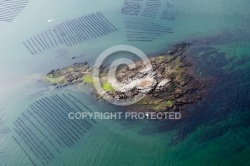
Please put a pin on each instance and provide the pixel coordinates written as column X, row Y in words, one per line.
column 175, row 84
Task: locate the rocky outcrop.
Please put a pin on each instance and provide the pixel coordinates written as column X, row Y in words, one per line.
column 169, row 85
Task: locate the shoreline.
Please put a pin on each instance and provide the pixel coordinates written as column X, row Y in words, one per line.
column 175, row 85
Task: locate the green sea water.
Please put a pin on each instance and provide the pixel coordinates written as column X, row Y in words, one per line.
column 216, row 131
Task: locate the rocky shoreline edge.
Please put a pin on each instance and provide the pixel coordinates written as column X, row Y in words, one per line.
column 173, row 87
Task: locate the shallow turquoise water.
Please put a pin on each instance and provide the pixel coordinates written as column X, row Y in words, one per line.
column 215, row 133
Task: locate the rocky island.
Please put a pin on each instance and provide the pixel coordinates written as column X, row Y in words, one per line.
column 173, row 87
